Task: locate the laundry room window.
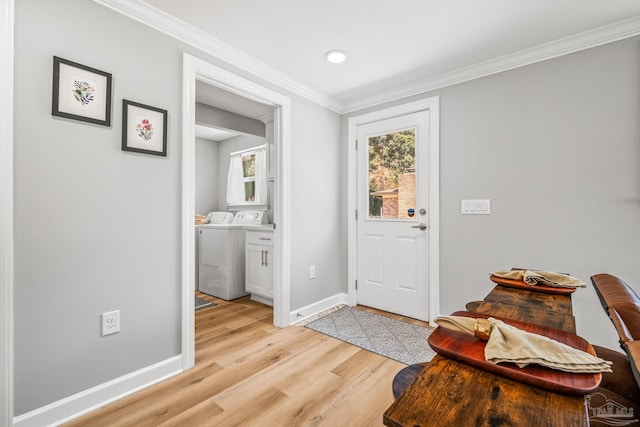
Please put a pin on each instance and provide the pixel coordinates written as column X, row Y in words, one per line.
column 247, row 179
column 249, row 175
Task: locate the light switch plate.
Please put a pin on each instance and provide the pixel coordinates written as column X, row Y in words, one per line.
column 475, row 207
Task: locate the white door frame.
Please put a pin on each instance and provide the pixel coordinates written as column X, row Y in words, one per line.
column 197, row 69
column 433, row 106
column 7, row 20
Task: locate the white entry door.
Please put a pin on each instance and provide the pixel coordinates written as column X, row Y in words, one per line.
column 393, row 215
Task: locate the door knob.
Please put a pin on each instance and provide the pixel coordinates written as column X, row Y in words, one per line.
column 421, row 226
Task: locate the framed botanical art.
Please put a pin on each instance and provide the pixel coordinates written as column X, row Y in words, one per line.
column 81, row 93
column 144, row 128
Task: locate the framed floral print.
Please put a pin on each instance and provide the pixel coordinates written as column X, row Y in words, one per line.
column 81, row 92
column 144, row 128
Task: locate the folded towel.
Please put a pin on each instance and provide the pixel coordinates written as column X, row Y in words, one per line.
column 534, row 277
column 510, row 344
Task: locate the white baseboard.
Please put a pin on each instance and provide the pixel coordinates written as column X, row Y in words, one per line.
column 89, row 400
column 262, row 300
column 317, row 307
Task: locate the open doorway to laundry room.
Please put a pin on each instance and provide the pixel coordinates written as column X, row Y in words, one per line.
column 234, row 189
column 206, row 86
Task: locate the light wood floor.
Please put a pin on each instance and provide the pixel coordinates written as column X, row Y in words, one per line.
column 250, row 373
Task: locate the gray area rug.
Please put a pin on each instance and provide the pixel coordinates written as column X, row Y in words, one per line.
column 203, row 303
column 401, row 341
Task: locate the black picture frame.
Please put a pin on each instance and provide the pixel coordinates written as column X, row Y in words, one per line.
column 81, row 93
column 144, row 128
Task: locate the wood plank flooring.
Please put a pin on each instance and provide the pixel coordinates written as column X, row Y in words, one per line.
column 250, row 373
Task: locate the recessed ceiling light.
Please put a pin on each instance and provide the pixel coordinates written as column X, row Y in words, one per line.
column 336, row 56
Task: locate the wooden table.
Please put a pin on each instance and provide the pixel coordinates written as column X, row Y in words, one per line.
column 445, row 392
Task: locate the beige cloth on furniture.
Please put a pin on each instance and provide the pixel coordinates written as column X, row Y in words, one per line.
column 534, row 277
column 510, row 344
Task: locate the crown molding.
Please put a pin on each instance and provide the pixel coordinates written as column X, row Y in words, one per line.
column 142, row 12
column 582, row 41
column 148, row 15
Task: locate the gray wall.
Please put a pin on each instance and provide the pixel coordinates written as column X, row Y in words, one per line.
column 207, row 181
column 98, row 229
column 318, row 219
column 556, row 148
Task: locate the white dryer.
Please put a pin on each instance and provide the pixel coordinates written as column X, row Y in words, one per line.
column 221, row 253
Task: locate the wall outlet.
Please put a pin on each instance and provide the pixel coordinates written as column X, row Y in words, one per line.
column 110, row 322
column 312, row 272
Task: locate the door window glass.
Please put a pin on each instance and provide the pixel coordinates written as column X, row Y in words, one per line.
column 392, row 175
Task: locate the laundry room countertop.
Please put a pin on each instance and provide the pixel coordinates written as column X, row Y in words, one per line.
column 263, row 227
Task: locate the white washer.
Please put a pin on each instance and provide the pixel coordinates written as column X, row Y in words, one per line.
column 221, row 254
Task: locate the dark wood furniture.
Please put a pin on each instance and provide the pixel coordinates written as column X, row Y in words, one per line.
column 466, row 348
column 622, row 305
column 445, row 392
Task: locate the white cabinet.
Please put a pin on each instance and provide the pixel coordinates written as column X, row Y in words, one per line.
column 259, row 262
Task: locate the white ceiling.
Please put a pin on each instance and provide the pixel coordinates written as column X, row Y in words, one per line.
column 389, row 43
